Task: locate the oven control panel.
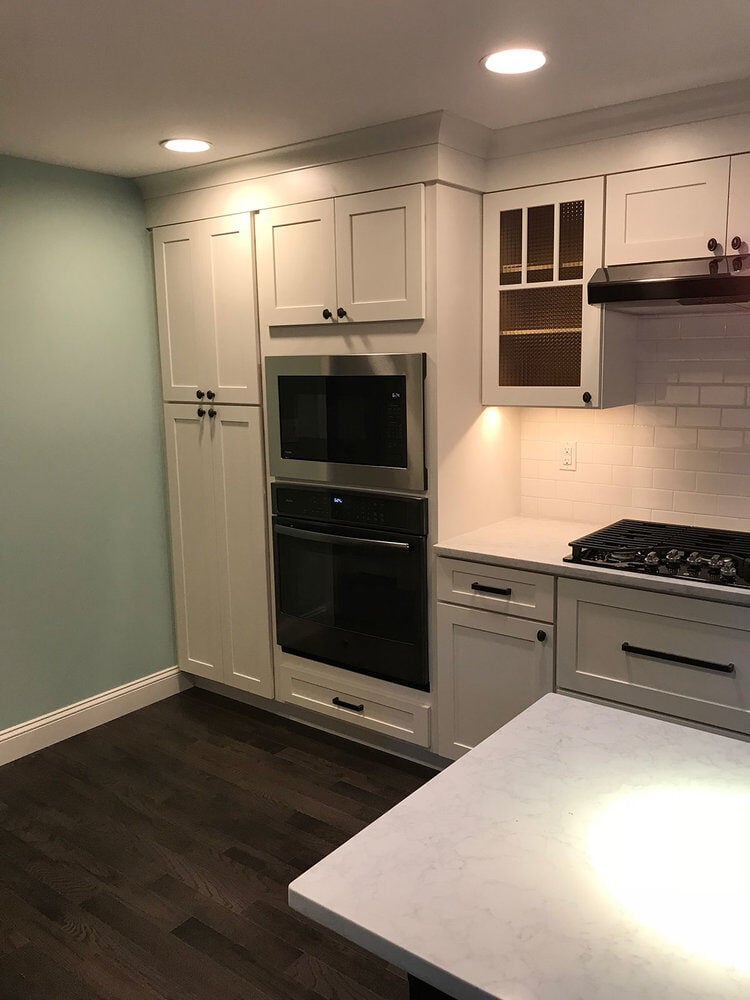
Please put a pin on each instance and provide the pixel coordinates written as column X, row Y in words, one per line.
column 351, row 507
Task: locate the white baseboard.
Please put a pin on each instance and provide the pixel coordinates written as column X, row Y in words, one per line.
column 28, row 737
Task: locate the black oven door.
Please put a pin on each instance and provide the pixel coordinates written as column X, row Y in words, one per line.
column 354, row 598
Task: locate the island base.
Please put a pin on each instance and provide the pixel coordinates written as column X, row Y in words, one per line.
column 422, row 991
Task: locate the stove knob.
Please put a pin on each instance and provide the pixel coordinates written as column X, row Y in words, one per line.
column 714, row 565
column 673, row 558
column 694, row 562
column 652, row 562
column 728, row 571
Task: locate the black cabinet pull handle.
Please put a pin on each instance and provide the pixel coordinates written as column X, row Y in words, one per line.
column 327, row 314
column 201, row 411
column 212, row 413
column 689, row 661
column 341, row 313
column 736, row 242
column 211, row 394
column 541, row 635
column 484, row 589
column 737, row 264
column 200, row 394
column 586, row 397
column 712, row 244
column 348, row 704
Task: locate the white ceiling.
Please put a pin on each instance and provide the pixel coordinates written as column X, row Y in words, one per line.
column 97, row 83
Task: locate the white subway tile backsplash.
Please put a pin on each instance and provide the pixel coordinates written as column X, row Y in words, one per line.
column 673, row 479
column 681, row 453
column 675, row 437
column 698, row 416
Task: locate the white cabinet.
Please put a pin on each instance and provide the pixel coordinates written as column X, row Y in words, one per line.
column 543, row 344
column 673, row 655
column 219, row 548
column 490, row 666
column 205, row 297
column 673, row 212
column 353, row 259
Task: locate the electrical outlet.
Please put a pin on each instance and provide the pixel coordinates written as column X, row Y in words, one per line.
column 568, row 456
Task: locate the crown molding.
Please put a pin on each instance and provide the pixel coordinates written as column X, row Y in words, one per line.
column 719, row 100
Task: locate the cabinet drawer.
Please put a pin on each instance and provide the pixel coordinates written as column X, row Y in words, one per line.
column 331, row 692
column 664, row 636
column 495, row 588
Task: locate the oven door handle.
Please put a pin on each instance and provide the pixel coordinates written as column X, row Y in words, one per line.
column 321, row 536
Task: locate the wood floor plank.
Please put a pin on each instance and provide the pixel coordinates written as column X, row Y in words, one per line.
column 149, row 859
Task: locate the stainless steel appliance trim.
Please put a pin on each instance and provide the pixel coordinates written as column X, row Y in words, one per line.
column 339, row 474
column 322, row 536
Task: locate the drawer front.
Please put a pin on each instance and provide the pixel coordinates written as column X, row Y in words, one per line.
column 319, row 689
column 495, row 588
column 672, row 655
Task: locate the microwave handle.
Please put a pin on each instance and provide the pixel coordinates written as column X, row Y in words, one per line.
column 320, row 536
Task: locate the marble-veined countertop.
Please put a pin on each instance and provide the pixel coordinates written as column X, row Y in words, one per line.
column 579, row 853
column 539, row 544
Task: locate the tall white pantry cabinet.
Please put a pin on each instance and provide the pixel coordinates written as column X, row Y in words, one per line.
column 208, row 341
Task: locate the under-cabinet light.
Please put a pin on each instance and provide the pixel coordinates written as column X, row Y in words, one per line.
column 186, row 145
column 515, row 61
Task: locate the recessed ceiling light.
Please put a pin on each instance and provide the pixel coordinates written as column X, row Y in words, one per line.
column 186, row 145
column 515, row 61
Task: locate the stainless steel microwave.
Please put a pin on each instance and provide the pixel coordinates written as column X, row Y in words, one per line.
column 348, row 420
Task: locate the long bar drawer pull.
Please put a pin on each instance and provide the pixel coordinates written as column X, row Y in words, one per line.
column 484, row 589
column 348, row 704
column 722, row 668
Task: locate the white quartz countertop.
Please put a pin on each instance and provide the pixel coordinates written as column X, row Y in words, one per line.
column 539, row 544
column 579, row 853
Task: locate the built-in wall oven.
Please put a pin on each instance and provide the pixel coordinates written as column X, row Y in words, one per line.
column 351, row 580
column 350, row 420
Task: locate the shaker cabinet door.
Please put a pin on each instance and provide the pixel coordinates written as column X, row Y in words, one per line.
column 296, row 264
column 380, row 254
column 206, row 309
column 228, row 283
column 239, row 484
column 195, row 540
column 490, row 668
column 667, row 213
column 738, row 219
column 182, row 342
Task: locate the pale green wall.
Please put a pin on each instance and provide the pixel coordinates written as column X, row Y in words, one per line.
column 85, row 599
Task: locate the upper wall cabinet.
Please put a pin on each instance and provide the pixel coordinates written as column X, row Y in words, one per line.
column 206, row 307
column 345, row 260
column 679, row 211
column 542, row 342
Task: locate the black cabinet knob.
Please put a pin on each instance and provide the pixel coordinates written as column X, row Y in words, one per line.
column 340, row 312
column 541, row 635
column 211, row 394
column 212, row 412
column 712, row 244
column 327, row 314
column 200, row 394
column 736, row 242
column 737, row 264
column 201, row 412
column 586, row 397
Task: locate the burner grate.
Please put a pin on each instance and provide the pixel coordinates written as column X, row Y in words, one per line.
column 629, row 535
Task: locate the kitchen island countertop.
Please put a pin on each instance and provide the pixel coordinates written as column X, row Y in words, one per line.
column 579, row 853
column 539, row 544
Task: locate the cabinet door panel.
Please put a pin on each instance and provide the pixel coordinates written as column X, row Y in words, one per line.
column 183, row 354
column 542, row 342
column 666, row 213
column 738, row 224
column 296, row 263
column 230, row 324
column 490, row 668
column 243, row 557
column 194, row 540
column 380, row 254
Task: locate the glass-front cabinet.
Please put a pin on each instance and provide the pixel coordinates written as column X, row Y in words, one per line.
column 541, row 340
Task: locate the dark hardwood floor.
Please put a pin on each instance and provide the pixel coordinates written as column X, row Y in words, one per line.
column 149, row 859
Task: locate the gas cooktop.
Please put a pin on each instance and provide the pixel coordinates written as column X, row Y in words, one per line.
column 704, row 555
